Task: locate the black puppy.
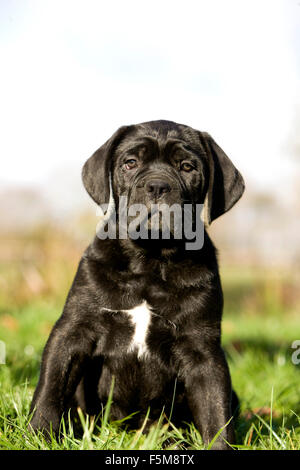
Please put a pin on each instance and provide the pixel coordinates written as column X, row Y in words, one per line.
column 146, row 312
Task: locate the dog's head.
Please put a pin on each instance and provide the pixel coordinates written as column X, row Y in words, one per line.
column 163, row 162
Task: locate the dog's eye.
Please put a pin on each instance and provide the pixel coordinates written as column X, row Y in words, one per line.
column 131, row 163
column 185, row 166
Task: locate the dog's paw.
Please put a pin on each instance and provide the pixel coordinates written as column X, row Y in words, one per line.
column 48, row 427
column 220, row 445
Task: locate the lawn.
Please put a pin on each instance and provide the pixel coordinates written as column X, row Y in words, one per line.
column 261, row 321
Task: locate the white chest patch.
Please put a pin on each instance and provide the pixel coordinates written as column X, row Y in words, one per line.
column 140, row 316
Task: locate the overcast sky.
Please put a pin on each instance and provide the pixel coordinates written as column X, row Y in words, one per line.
column 74, row 71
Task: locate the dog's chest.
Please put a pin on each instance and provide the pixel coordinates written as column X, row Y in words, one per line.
column 128, row 330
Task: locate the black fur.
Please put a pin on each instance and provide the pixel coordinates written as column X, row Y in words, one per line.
column 89, row 345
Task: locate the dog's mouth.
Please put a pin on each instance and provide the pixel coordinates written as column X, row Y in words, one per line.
column 153, row 224
column 155, row 221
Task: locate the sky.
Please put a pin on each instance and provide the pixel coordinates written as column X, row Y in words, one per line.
column 72, row 72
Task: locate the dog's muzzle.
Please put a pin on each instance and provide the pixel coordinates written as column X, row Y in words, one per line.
column 160, row 186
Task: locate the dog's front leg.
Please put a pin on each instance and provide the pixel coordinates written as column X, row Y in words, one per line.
column 63, row 360
column 208, row 391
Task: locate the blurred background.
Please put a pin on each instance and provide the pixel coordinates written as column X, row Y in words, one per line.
column 72, row 72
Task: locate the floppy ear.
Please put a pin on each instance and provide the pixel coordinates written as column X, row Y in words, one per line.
column 96, row 170
column 226, row 184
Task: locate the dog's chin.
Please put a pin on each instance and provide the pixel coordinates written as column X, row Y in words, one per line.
column 156, row 241
column 159, row 245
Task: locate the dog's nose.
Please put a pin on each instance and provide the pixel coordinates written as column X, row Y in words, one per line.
column 156, row 188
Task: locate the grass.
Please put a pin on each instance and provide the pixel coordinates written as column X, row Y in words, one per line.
column 261, row 322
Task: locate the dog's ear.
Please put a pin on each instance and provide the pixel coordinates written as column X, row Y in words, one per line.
column 96, row 170
column 226, row 184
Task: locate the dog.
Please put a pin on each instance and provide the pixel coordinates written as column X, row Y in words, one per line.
column 146, row 312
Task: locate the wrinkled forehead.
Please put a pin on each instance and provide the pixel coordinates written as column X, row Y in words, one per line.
column 162, row 133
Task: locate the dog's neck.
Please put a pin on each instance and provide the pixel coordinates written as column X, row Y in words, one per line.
column 149, row 252
column 128, row 255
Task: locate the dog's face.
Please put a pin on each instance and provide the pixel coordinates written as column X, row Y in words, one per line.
column 160, row 164
column 163, row 162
